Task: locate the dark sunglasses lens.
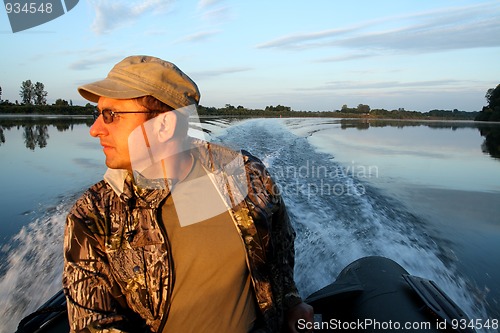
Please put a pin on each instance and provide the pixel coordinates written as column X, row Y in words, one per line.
column 107, row 116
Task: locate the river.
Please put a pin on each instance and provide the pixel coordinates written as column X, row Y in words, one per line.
column 424, row 194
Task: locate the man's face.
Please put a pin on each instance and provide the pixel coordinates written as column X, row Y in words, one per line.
column 114, row 136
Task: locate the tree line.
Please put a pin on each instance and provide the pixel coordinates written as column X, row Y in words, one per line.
column 34, row 101
column 31, row 94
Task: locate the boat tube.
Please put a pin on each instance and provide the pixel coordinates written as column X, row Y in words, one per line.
column 375, row 294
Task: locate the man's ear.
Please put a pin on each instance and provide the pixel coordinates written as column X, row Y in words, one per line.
column 165, row 126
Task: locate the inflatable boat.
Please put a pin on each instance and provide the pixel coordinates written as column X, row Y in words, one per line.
column 375, row 294
column 372, row 294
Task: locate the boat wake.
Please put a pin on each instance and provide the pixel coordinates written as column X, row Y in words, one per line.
column 340, row 217
column 32, row 264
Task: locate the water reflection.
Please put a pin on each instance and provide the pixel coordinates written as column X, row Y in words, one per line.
column 36, row 129
column 490, row 131
column 35, row 136
column 491, row 144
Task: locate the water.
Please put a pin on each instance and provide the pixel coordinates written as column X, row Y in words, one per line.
column 425, row 195
column 349, row 202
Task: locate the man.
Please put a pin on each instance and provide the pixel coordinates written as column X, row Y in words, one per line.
column 181, row 235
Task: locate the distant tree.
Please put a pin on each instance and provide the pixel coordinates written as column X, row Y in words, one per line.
column 27, row 92
column 0, row 94
column 489, row 93
column 363, row 108
column 346, row 109
column 493, row 98
column 278, row 108
column 40, row 95
column 491, row 112
column 61, row 102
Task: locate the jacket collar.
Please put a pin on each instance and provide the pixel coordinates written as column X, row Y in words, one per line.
column 116, row 179
column 138, row 190
column 214, row 158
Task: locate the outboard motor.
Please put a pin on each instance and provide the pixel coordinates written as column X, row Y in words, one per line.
column 375, row 294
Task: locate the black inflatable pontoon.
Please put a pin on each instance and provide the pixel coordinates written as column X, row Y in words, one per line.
column 372, row 294
column 375, row 294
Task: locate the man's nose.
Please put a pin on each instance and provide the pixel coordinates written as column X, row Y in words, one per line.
column 98, row 127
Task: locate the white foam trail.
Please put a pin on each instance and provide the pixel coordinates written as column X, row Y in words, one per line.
column 373, row 225
column 33, row 267
column 339, row 218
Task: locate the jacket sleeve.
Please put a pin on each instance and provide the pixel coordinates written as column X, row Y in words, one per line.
column 283, row 240
column 281, row 235
column 93, row 299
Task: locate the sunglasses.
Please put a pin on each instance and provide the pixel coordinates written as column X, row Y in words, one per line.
column 108, row 116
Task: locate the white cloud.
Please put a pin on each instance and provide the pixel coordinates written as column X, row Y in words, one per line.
column 90, row 62
column 347, row 57
column 446, row 29
column 357, row 85
column 214, row 11
column 203, row 4
column 218, row 15
column 296, row 40
column 199, row 36
column 430, row 37
column 218, row 72
column 111, row 14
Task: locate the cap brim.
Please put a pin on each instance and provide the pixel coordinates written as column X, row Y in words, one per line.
column 109, row 88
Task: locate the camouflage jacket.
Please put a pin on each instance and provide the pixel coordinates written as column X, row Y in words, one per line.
column 117, row 259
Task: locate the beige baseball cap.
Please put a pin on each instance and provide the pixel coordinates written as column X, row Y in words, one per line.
column 138, row 76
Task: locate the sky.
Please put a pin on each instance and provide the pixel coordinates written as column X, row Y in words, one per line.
column 310, row 55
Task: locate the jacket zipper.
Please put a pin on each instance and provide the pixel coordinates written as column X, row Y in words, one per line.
column 170, row 288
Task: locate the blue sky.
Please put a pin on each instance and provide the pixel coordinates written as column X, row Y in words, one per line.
column 310, row 55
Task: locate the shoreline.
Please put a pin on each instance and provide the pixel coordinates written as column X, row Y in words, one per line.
column 300, row 115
